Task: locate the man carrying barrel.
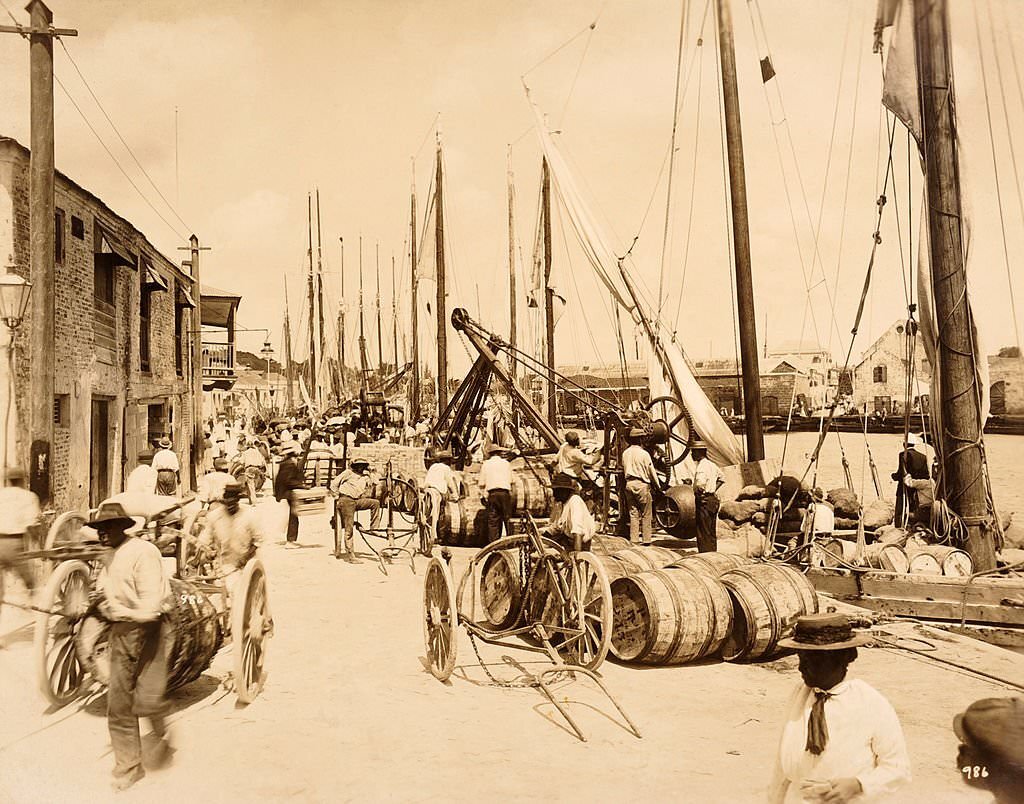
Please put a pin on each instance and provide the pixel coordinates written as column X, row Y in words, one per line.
column 496, row 485
column 707, row 479
column 132, row 593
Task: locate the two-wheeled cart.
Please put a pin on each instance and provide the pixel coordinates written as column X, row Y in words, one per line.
column 71, row 636
column 556, row 601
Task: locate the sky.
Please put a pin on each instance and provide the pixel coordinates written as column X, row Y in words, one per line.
column 237, row 110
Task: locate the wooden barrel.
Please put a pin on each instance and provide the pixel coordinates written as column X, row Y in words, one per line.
column 455, row 524
column 938, row 559
column 678, row 512
column 669, row 616
column 638, row 559
column 712, row 564
column 530, row 494
column 832, row 552
column 615, row 569
column 767, row 599
column 604, row 545
column 889, row 557
column 500, row 590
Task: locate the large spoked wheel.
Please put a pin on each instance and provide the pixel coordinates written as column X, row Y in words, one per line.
column 65, row 530
column 591, row 612
column 250, row 629
column 64, row 601
column 676, row 417
column 423, row 517
column 440, row 619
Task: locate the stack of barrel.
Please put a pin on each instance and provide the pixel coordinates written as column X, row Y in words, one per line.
column 463, row 522
column 699, row 605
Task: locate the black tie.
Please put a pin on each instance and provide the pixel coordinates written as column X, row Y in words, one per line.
column 817, row 729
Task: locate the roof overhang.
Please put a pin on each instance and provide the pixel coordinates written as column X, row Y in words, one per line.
column 108, row 245
column 151, row 277
column 185, row 298
column 217, row 306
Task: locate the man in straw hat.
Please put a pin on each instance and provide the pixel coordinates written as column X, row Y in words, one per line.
column 991, row 754
column 707, row 479
column 132, row 593
column 441, row 483
column 641, row 478
column 167, row 468
column 575, row 522
column 841, row 740
column 354, row 491
column 143, row 477
column 289, row 477
column 496, row 485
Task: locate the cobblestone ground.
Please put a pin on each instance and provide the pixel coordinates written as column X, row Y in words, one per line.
column 350, row 714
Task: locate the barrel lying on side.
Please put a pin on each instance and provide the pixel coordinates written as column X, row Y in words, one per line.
column 500, row 592
column 938, row 559
column 712, row 564
column 767, row 598
column 669, row 616
column 889, row 557
column 638, row 559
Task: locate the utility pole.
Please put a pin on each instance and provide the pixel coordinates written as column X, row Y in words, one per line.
column 312, row 305
column 511, row 269
column 549, row 294
column 40, row 34
column 741, row 238
column 961, row 449
column 380, row 339
column 442, row 324
column 414, row 402
column 198, row 440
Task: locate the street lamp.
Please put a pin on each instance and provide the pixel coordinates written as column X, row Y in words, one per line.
column 268, row 352
column 14, row 295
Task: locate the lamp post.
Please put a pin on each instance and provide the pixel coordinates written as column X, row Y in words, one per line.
column 14, row 296
column 268, row 352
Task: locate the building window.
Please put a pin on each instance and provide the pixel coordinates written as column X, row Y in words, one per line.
column 880, row 374
column 60, row 410
column 58, row 236
column 145, row 309
column 103, row 319
column 179, row 339
column 77, row 227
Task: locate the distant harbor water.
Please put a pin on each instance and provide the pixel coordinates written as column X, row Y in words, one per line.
column 1006, row 463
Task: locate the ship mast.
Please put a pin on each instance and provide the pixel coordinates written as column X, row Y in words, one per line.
column 549, row 295
column 961, row 448
column 414, row 393
column 362, row 331
column 290, row 400
column 380, row 338
column 442, row 323
column 341, row 327
column 320, row 300
column 512, row 327
column 312, row 303
column 741, row 238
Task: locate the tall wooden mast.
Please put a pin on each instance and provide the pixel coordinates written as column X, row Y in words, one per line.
column 442, row 323
column 512, row 326
column 394, row 311
column 288, row 378
column 341, row 326
column 322, row 341
column 362, row 330
column 414, row 392
column 741, row 238
column 961, row 448
column 549, row 294
column 312, row 304
column 380, row 337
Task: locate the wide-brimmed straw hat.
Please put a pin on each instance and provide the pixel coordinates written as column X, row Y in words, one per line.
column 111, row 515
column 360, row 462
column 824, row 632
column 698, row 444
column 563, row 481
column 164, row 443
column 442, row 455
column 496, row 449
column 637, row 432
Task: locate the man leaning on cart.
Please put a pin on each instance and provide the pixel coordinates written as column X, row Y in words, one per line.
column 131, row 594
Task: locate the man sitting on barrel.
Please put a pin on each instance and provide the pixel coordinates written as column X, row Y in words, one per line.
column 354, row 490
column 575, row 523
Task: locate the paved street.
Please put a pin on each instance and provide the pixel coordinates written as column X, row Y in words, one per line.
column 349, row 713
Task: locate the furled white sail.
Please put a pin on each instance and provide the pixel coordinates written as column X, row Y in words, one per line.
column 668, row 371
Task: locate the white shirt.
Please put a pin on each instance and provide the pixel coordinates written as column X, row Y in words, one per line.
column 19, row 510
column 706, row 476
column 571, row 460
column 165, row 459
column 822, row 517
column 865, row 740
column 637, row 465
column 576, row 518
column 253, row 457
column 496, row 473
column 212, row 485
column 235, row 537
column 141, row 478
column 441, row 476
column 133, row 581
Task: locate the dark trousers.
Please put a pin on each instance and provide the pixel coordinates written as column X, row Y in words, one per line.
column 138, row 682
column 293, row 526
column 706, row 506
column 347, row 507
column 499, row 513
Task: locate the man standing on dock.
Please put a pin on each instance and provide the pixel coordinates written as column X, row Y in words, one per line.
column 496, row 485
column 707, row 479
column 641, row 479
column 914, row 463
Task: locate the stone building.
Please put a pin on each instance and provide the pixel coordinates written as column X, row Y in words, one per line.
column 784, row 383
column 121, row 340
column 606, row 380
column 880, row 378
column 1006, row 386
